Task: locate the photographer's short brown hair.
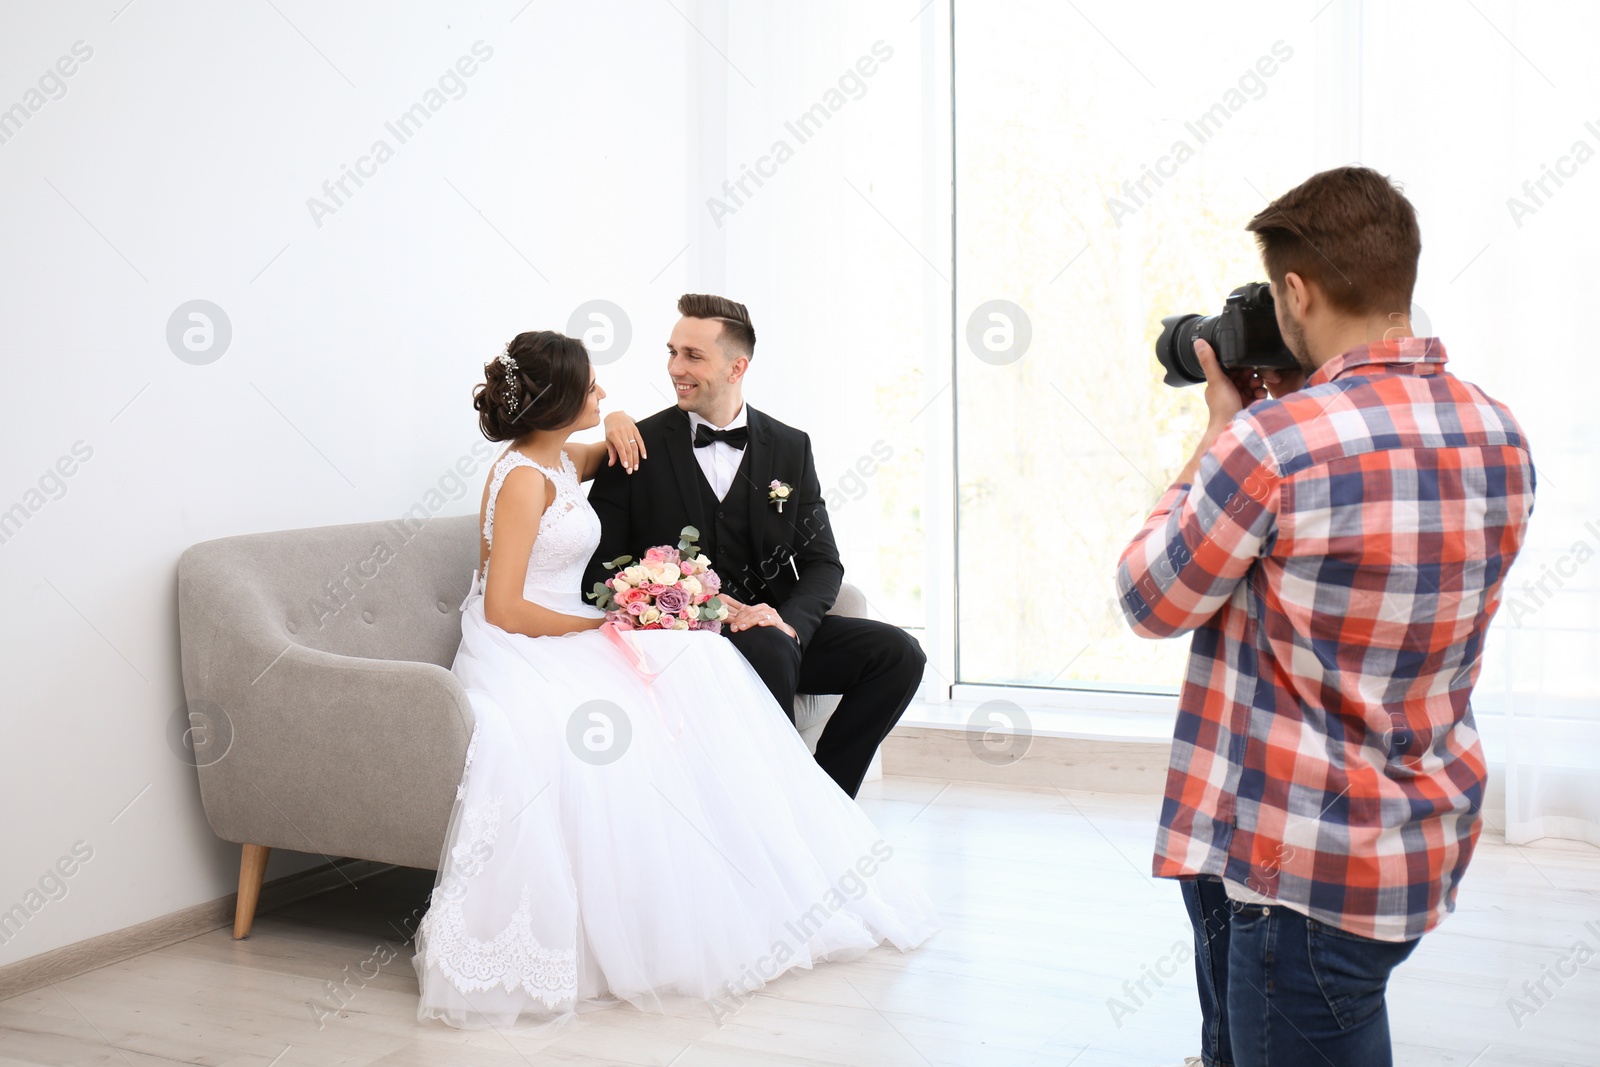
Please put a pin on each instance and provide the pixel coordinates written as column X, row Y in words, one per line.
column 738, row 337
column 1349, row 230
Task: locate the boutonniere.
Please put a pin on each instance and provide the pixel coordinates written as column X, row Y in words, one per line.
column 778, row 492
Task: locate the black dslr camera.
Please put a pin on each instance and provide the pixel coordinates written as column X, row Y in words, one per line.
column 1245, row 334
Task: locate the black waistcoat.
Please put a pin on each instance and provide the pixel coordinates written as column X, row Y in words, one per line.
column 725, row 538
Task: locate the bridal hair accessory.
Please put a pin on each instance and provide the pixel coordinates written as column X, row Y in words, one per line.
column 778, row 492
column 509, row 362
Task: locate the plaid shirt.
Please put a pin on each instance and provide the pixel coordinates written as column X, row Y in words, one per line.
column 1338, row 559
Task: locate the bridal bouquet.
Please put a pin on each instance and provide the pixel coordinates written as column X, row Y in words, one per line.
column 670, row 589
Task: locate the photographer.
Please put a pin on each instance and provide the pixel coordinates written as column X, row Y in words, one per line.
column 1337, row 550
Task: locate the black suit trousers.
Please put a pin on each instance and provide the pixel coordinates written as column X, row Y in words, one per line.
column 873, row 666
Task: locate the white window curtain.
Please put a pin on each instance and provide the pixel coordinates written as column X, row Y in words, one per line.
column 1501, row 146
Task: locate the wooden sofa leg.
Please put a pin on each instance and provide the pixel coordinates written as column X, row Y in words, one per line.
column 252, row 865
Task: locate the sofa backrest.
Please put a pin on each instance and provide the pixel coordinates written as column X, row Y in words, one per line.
column 382, row 590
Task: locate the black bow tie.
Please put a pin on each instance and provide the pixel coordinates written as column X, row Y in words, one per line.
column 704, row 435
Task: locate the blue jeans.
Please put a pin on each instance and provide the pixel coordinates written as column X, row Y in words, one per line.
column 1278, row 989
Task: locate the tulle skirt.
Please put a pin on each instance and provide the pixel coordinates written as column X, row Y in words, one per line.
column 669, row 844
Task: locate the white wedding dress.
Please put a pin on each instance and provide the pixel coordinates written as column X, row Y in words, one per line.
column 669, row 844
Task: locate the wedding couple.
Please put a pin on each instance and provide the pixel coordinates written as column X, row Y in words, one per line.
column 643, row 824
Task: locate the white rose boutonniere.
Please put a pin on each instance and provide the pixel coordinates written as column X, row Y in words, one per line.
column 778, row 492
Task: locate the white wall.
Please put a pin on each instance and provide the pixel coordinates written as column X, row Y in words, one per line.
column 176, row 166
column 842, row 253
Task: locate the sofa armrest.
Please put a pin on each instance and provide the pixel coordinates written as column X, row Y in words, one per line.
column 329, row 754
column 811, row 712
column 850, row 602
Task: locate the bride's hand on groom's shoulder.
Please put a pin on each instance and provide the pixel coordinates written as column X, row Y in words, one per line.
column 623, row 442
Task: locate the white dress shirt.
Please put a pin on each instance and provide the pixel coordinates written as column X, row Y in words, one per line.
column 719, row 460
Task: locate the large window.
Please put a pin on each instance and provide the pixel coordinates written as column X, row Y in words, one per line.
column 1103, row 174
column 1103, row 177
column 1100, row 176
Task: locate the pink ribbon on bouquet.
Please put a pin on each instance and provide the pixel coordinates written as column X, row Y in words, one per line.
column 636, row 660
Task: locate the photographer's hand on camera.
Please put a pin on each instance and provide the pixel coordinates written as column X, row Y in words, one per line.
column 1282, row 382
column 1227, row 394
column 1250, row 384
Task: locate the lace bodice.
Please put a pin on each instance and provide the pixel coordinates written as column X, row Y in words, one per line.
column 569, row 532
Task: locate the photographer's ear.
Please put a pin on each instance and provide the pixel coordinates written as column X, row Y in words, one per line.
column 1294, row 294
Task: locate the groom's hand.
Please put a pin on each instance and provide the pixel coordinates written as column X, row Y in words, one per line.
column 744, row 616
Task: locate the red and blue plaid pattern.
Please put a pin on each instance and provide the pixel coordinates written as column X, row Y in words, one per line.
column 1338, row 560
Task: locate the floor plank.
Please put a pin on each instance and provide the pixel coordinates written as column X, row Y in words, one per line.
column 1049, row 910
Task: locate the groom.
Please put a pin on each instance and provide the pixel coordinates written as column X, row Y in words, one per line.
column 714, row 460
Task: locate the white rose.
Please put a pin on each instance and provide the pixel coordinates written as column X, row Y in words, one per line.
column 782, row 491
column 691, row 585
column 635, row 574
column 649, row 615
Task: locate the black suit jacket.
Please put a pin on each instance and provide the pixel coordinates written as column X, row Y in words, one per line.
column 796, row 560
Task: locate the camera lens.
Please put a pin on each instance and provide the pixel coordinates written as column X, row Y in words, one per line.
column 1245, row 334
column 1175, row 348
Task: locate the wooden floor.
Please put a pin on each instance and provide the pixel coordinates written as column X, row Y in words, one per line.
column 1048, row 911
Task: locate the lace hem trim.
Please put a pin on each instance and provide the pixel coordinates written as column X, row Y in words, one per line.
column 511, row 959
column 472, row 747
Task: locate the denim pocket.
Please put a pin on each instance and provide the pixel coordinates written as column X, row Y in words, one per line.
column 1248, row 915
column 1352, row 971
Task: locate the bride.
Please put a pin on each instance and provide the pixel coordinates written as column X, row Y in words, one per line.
column 644, row 827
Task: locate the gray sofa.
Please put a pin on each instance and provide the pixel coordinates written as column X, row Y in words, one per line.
column 323, row 714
